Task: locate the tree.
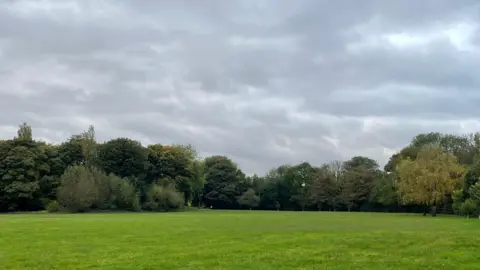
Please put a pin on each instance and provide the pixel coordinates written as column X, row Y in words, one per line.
column 123, row 157
column 163, row 198
column 24, row 132
column 468, row 208
column 474, row 193
column 198, row 181
column 77, row 191
column 471, row 177
column 429, row 178
column 323, row 189
column 357, row 181
column 384, row 191
column 89, row 146
column 297, row 181
column 176, row 165
column 71, row 152
column 220, row 182
column 249, row 199
column 24, row 164
column 457, row 199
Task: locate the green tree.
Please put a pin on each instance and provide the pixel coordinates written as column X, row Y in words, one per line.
column 297, row 181
column 221, row 179
column 457, row 199
column 71, row 152
column 249, row 199
column 323, row 188
column 77, row 191
column 357, row 181
column 163, row 198
column 468, row 208
column 89, row 146
column 24, row 165
column 24, row 132
column 123, row 157
column 384, row 191
column 176, row 164
column 427, row 179
column 471, row 177
column 198, row 181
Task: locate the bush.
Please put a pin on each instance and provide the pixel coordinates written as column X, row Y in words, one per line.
column 163, row 198
column 468, row 207
column 104, row 199
column 53, row 207
column 77, row 191
column 124, row 194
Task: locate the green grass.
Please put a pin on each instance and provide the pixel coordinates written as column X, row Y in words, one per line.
column 238, row 240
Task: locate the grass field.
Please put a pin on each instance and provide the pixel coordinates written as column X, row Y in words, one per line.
column 238, row 240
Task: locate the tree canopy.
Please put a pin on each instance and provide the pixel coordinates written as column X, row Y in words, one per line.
column 435, row 170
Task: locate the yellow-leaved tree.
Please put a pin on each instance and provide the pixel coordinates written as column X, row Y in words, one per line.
column 429, row 178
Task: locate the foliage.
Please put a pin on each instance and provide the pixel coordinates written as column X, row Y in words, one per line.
column 457, row 198
column 53, row 207
column 77, row 191
column 249, row 199
column 468, row 208
column 123, row 157
column 429, row 177
column 163, row 198
column 323, row 189
column 384, row 190
column 221, row 179
column 474, row 192
column 119, row 174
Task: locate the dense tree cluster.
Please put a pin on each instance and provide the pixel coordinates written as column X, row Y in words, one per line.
column 435, row 172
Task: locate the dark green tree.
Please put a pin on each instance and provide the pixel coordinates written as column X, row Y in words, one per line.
column 249, row 199
column 123, row 157
column 221, row 179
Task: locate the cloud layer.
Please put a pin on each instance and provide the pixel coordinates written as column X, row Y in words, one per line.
column 264, row 82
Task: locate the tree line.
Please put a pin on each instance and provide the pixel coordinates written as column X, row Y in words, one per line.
column 435, row 172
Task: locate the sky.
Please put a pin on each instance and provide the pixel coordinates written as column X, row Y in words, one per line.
column 265, row 82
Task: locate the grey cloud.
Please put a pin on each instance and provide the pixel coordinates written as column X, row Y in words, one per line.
column 183, row 71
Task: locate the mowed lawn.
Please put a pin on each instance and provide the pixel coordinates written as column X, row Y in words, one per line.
column 238, row 240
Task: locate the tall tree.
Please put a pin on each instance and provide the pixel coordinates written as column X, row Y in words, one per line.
column 89, row 146
column 297, row 180
column 123, row 157
column 323, row 188
column 384, row 191
column 220, row 182
column 24, row 164
column 24, row 132
column 249, row 199
column 358, row 176
column 429, row 178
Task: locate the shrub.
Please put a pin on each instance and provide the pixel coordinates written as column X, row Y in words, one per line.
column 249, row 199
column 468, row 207
column 104, row 199
column 163, row 198
column 77, row 191
column 53, row 207
column 123, row 194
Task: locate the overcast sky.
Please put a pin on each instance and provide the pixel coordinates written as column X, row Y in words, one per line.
column 266, row 82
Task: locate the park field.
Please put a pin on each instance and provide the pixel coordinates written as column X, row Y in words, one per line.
column 238, row 240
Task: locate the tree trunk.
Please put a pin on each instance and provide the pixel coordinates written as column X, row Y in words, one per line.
column 425, row 210
column 349, row 207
